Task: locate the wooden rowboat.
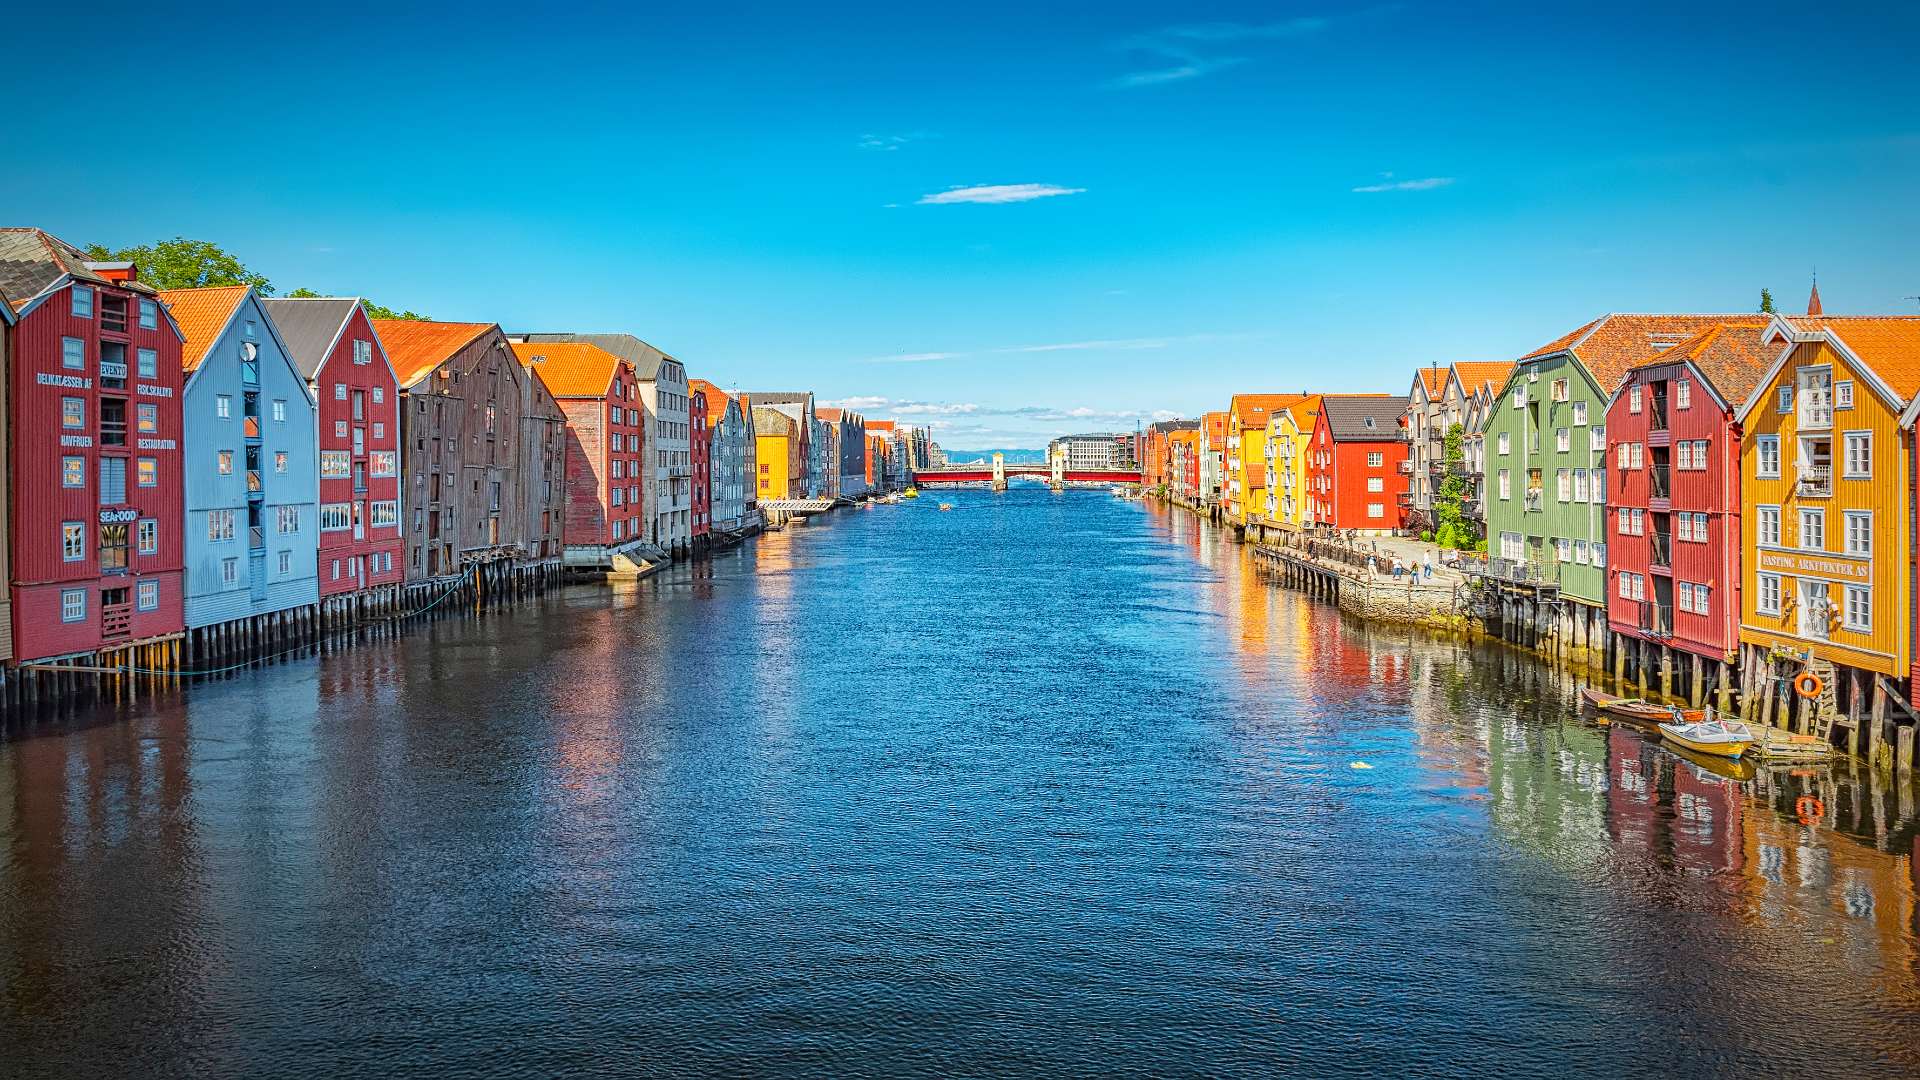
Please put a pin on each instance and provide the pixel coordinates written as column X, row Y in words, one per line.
column 1644, row 712
column 1719, row 738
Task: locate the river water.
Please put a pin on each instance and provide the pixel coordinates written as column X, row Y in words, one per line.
column 1045, row 785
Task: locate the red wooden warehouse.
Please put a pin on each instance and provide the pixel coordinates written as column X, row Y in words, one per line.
column 700, row 452
column 1673, row 526
column 96, row 542
column 600, row 395
column 1354, row 479
column 334, row 346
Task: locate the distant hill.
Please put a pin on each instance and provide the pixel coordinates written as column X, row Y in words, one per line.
column 1014, row 457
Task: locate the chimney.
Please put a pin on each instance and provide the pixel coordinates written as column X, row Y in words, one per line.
column 1813, row 300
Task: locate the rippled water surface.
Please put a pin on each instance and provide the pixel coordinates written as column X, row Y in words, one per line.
column 1046, row 785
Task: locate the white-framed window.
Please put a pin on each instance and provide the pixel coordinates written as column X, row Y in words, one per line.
column 1559, row 389
column 148, row 536
column 149, row 315
column 1563, row 548
column 1376, row 510
column 1766, row 524
column 1581, row 492
column 1506, row 484
column 279, row 410
column 146, row 595
column 279, row 461
column 379, row 430
column 1563, row 439
column 1843, row 395
column 219, row 525
column 336, row 569
column 1859, row 526
column 1633, row 400
column 1684, row 597
column 1512, row 545
column 380, row 463
column 229, row 571
column 1767, row 600
column 1597, row 437
column 1859, row 612
column 1579, row 414
column 286, row 519
column 339, row 391
column 73, row 605
column 1682, row 394
column 1857, row 459
column 1580, row 554
column 223, row 406
column 286, row 563
column 146, row 472
column 362, row 351
column 339, row 429
column 1813, row 529
column 1505, row 443
column 384, row 514
column 1625, row 521
column 1623, row 455
column 1766, row 455
column 82, row 303
column 379, row 394
column 1376, row 483
column 1376, row 459
column 1784, row 404
column 1639, row 454
column 335, row 464
column 1626, row 586
column 1563, row 485
column 1639, row 521
column 1520, row 397
column 73, row 541
column 336, row 516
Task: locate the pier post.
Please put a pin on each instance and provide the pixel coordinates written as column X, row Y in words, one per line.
column 999, row 471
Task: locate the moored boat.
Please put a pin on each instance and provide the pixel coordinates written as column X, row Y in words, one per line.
column 1645, row 712
column 1719, row 738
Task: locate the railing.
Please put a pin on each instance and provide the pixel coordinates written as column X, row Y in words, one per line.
column 1660, row 550
column 1520, row 572
column 1662, row 481
column 256, row 538
column 1437, row 468
column 1816, row 408
column 116, row 620
column 1407, row 466
column 1656, row 619
column 113, row 314
column 1816, row 481
column 1535, row 498
column 113, row 433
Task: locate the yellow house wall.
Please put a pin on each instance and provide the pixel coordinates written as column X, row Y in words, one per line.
column 1886, row 648
column 771, row 452
column 1253, row 461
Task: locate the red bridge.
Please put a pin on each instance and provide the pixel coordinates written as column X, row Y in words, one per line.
column 983, row 474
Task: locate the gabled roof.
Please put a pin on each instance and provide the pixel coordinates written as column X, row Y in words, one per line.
column 1611, row 344
column 646, row 359
column 1167, row 427
column 1363, row 417
column 202, row 315
column 417, row 346
column 879, row 425
column 1433, row 380
column 570, row 369
column 831, row 415
column 774, row 422
column 1730, row 356
column 1305, row 413
column 783, row 398
column 717, row 400
column 1258, row 407
column 1885, row 349
column 1475, row 375
column 33, row 259
column 311, row 326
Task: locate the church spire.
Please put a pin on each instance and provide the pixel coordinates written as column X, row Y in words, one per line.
column 1813, row 300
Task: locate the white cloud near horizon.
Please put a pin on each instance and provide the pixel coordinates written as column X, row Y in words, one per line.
column 892, row 142
column 996, row 194
column 1423, row 184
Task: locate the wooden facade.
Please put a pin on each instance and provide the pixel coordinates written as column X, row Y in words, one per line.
column 599, row 397
column 542, row 474
column 700, row 444
column 1354, row 475
column 97, row 565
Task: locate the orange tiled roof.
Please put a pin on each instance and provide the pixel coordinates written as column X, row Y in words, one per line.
column 1257, row 407
column 717, row 400
column 416, row 346
column 570, row 369
column 830, row 415
column 1475, row 374
column 1434, row 379
column 1184, row 435
column 1215, row 423
column 1611, row 344
column 1306, row 412
column 201, row 314
column 879, row 425
column 1730, row 355
column 1889, row 344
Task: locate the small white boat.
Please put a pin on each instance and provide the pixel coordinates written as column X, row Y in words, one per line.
column 1721, row 738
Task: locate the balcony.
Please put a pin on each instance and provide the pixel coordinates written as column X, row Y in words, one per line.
column 1661, row 481
column 1535, row 499
column 251, row 427
column 1656, row 619
column 1816, row 482
column 1407, row 466
column 1816, row 408
column 1660, row 549
column 1520, row 572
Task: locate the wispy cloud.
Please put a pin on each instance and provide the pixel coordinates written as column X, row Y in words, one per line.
column 890, row 407
column 1186, row 52
column 1076, row 346
column 913, row 357
column 1096, row 345
column 994, row 194
column 892, row 142
column 1427, row 183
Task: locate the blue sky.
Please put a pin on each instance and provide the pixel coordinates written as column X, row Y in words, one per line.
column 1183, row 200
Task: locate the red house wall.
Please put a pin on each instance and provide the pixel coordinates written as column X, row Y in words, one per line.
column 380, row 557
column 1714, row 491
column 700, row 457
column 41, row 501
column 590, row 457
column 1337, row 475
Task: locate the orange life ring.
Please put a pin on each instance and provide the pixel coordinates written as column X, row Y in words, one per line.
column 1809, row 809
column 1808, row 685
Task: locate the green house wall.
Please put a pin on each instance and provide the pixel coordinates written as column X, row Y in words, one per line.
column 1556, row 519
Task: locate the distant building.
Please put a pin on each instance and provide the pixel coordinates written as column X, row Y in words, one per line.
column 798, row 407
column 782, row 470
column 1212, row 450
column 700, row 447
column 730, row 441
column 604, row 519
column 1354, row 478
column 1154, row 450
column 1093, row 451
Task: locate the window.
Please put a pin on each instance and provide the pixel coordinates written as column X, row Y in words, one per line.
column 147, row 472
column 82, row 302
column 1559, row 389
column 379, row 394
column 362, row 351
column 1519, row 397
column 279, row 461
column 384, row 515
column 1858, row 460
column 1766, row 450
column 381, row 462
column 1859, row 613
column 1376, row 510
column 73, row 413
column 1505, row 443
column 336, row 516
column 339, row 391
column 113, row 481
column 1376, row 459
column 146, row 595
column 149, row 536
column 73, row 541
column 1580, row 490
column 1683, row 394
column 1685, row 592
column 1843, row 395
column 339, row 429
column 229, row 571
column 1626, row 586
column 379, row 430
column 219, row 525
column 1625, row 522
column 1633, row 400
column 223, row 406
column 1564, row 482
column 225, row 462
column 1785, row 402
column 286, row 519
column 73, row 354
column 1623, row 455
column 1859, row 526
column 1376, row 483
column 73, row 605
column 147, row 418
column 1506, row 482
column 1813, row 530
column 1580, row 552
column 335, row 465
column 73, row 472
column 1767, row 525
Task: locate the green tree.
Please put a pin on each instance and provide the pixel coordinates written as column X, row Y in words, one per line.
column 1766, row 301
column 374, row 311
column 181, row 263
column 1450, row 502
